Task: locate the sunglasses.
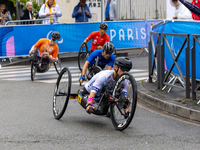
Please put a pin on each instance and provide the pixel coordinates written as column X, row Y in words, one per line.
column 55, row 40
column 102, row 30
column 125, row 69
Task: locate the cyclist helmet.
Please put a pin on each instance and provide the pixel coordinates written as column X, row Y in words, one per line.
column 108, row 48
column 103, row 26
column 55, row 35
column 124, row 63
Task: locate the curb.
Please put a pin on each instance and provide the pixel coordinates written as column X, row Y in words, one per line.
column 178, row 110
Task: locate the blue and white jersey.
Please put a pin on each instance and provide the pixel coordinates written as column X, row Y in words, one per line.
column 96, row 83
column 102, row 61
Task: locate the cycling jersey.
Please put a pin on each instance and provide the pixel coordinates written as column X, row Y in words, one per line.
column 96, row 39
column 102, row 61
column 43, row 44
column 97, row 82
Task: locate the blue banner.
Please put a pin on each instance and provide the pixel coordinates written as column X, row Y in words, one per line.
column 175, row 43
column 18, row 40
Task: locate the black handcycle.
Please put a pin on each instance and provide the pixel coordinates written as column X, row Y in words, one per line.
column 122, row 108
column 37, row 65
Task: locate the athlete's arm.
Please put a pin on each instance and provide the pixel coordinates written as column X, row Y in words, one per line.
column 32, row 50
column 84, row 69
column 109, row 68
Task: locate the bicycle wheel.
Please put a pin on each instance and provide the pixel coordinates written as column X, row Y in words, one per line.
column 61, row 93
column 82, row 56
column 57, row 65
column 33, row 71
column 33, row 64
column 123, row 109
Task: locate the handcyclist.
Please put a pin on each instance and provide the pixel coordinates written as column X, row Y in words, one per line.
column 106, row 57
column 47, row 49
column 99, row 38
column 94, row 86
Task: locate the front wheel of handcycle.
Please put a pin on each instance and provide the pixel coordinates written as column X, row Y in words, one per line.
column 123, row 108
column 61, row 93
column 34, row 60
column 82, row 56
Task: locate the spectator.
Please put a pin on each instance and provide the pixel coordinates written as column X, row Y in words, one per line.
column 181, row 11
column 110, row 10
column 193, row 7
column 197, row 3
column 4, row 14
column 81, row 12
column 50, row 10
column 27, row 13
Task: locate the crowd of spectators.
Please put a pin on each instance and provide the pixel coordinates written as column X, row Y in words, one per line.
column 50, row 11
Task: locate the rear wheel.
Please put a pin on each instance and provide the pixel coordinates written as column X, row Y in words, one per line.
column 61, row 93
column 123, row 109
column 57, row 65
column 82, row 56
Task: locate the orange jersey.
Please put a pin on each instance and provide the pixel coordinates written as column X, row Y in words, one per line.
column 43, row 44
column 96, row 39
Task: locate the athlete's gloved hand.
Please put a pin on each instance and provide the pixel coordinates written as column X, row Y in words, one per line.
column 82, row 78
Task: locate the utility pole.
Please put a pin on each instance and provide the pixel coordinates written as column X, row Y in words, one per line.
column 156, row 10
column 101, row 10
column 18, row 9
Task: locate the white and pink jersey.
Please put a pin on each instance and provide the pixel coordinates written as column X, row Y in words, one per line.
column 102, row 78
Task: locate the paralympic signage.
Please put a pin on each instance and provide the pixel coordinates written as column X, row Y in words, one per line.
column 18, row 40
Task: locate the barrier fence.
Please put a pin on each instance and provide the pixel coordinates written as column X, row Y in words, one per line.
column 166, row 76
column 28, row 22
column 17, row 40
column 177, row 52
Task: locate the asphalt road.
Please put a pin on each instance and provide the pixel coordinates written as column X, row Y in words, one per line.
column 27, row 122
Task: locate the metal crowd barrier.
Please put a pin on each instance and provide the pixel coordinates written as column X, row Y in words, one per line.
column 195, row 88
column 162, row 74
column 28, row 22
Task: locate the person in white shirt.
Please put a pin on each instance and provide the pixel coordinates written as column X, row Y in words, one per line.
column 50, row 10
column 181, row 11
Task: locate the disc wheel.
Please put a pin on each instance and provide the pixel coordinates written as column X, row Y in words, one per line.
column 123, row 109
column 61, row 93
column 82, row 56
column 57, row 65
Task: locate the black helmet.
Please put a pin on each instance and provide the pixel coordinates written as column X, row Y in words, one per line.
column 103, row 26
column 55, row 35
column 124, row 63
column 108, row 48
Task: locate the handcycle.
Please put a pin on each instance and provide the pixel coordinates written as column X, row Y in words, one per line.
column 122, row 108
column 92, row 70
column 82, row 57
column 38, row 66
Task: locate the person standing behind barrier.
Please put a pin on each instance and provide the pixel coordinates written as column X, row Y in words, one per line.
column 50, row 10
column 27, row 13
column 99, row 38
column 181, row 11
column 4, row 14
column 110, row 10
column 81, row 12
